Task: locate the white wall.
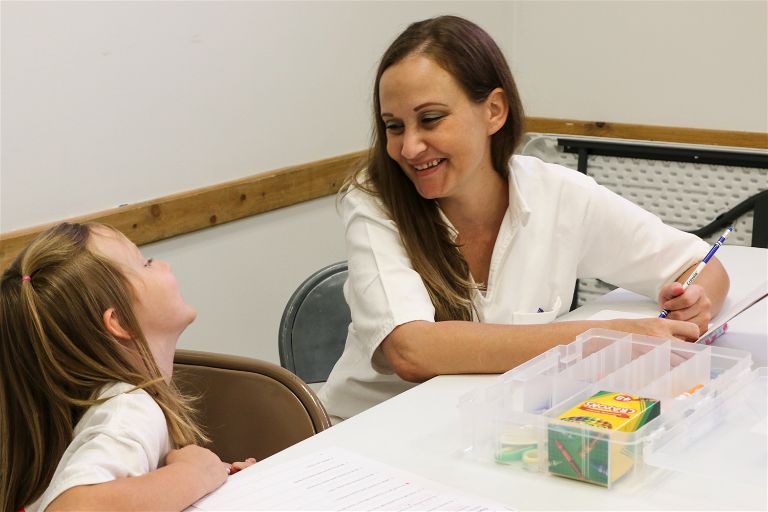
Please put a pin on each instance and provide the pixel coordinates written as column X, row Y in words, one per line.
column 106, row 103
column 696, row 64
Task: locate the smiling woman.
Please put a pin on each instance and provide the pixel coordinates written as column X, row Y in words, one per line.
column 461, row 254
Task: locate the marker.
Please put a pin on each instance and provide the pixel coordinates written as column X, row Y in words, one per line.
column 690, row 392
column 700, row 266
column 711, row 337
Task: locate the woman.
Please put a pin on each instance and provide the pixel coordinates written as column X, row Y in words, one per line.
column 461, row 254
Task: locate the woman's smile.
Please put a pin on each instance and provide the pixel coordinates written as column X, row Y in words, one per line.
column 429, row 168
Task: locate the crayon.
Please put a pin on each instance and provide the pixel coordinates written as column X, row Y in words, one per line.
column 569, row 458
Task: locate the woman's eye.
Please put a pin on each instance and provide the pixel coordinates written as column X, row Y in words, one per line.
column 432, row 117
column 392, row 126
column 149, row 262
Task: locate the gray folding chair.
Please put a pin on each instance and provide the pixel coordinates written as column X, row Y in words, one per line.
column 314, row 326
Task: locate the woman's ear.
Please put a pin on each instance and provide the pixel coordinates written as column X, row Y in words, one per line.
column 498, row 109
column 113, row 325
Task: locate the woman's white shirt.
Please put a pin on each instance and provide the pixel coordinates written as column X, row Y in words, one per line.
column 125, row 436
column 560, row 225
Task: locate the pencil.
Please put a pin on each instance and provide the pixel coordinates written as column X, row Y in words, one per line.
column 700, row 266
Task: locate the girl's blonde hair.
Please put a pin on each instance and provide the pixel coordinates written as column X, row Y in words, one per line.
column 56, row 355
column 473, row 59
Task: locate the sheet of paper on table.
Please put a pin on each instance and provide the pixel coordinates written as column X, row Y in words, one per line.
column 731, row 308
column 336, row 479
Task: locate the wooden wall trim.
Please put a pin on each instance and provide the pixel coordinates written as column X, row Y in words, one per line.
column 173, row 215
column 165, row 217
column 754, row 140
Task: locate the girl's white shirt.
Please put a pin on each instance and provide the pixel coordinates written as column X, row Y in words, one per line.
column 125, row 436
column 560, row 225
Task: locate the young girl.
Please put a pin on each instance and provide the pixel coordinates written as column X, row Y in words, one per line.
column 460, row 253
column 89, row 417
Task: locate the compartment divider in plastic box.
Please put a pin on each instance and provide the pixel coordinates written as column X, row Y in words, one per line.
column 583, row 374
column 693, row 371
column 640, row 371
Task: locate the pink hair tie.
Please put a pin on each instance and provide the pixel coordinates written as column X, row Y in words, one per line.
column 26, row 279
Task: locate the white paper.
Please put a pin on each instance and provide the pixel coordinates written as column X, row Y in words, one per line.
column 732, row 307
column 610, row 314
column 335, row 479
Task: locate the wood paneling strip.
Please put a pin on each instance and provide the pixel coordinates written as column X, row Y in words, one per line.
column 753, row 140
column 185, row 212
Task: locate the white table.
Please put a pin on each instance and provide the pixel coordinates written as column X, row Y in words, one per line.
column 747, row 267
column 420, row 431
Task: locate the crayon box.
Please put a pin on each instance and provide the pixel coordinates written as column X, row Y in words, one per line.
column 579, row 445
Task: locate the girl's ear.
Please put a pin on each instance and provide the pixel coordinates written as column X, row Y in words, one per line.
column 112, row 323
column 498, row 110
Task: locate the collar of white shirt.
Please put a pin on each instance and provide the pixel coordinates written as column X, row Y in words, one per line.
column 518, row 211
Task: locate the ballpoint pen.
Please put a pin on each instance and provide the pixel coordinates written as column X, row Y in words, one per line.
column 701, row 265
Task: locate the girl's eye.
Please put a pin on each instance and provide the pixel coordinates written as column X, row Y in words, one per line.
column 393, row 126
column 148, row 263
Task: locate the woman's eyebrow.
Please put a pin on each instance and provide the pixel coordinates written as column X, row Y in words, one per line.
column 428, row 104
column 419, row 107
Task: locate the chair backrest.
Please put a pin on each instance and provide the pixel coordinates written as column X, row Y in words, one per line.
column 249, row 407
column 314, row 326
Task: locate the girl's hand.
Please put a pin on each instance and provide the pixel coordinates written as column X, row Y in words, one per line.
column 659, row 327
column 237, row 466
column 204, row 465
column 691, row 304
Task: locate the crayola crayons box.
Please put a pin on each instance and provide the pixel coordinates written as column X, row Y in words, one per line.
column 587, row 453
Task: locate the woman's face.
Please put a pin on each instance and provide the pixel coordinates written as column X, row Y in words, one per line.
column 439, row 137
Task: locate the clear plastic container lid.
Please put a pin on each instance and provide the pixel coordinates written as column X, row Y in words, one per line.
column 725, row 439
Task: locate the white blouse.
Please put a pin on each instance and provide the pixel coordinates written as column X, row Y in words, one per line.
column 125, row 436
column 560, row 225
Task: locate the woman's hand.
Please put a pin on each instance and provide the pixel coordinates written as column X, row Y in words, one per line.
column 202, row 464
column 658, row 327
column 237, row 466
column 692, row 304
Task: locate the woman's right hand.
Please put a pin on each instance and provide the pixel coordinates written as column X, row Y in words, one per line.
column 202, row 463
column 659, row 327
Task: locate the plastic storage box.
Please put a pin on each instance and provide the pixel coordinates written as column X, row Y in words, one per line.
column 710, row 398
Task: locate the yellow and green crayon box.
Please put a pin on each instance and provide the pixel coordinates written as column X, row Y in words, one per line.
column 587, row 454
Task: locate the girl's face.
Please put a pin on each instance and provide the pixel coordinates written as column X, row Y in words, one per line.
column 159, row 308
column 439, row 137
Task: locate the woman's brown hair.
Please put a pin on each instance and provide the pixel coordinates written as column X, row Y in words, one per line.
column 474, row 60
column 56, row 355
